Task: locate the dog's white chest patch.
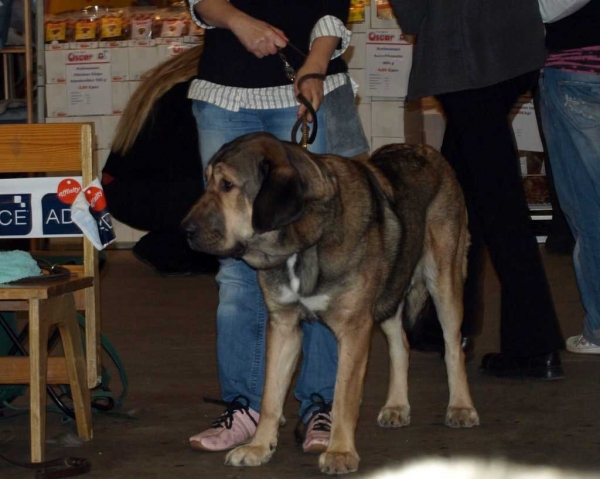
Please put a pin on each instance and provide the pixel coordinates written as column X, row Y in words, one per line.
column 291, row 294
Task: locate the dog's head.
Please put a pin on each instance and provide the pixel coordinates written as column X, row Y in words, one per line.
column 257, row 185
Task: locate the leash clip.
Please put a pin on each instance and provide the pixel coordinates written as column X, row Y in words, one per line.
column 290, row 73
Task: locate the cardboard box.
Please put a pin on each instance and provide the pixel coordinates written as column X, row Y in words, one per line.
column 56, row 100
column 170, row 41
column 133, row 86
column 56, row 70
column 83, row 45
column 355, row 54
column 143, row 56
column 120, row 97
column 358, row 75
column 387, row 119
column 525, row 127
column 56, row 46
column 108, row 125
column 119, row 59
column 89, row 89
column 194, row 39
column 167, row 51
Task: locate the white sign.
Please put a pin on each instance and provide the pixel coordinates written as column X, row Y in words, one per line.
column 389, row 60
column 38, row 207
column 89, row 78
column 525, row 127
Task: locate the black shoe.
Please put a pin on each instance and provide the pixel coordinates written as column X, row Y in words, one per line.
column 545, row 367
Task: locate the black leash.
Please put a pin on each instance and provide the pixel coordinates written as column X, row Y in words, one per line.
column 302, row 122
column 55, row 469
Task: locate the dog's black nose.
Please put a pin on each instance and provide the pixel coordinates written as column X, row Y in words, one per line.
column 189, row 228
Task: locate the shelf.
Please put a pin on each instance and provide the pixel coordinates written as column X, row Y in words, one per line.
column 15, row 49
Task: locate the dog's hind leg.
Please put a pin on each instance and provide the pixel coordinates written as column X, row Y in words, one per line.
column 396, row 411
column 445, row 257
column 354, row 338
column 284, row 341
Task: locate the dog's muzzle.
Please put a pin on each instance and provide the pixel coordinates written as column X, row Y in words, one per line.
column 200, row 235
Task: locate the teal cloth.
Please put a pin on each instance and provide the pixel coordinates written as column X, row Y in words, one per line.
column 16, row 265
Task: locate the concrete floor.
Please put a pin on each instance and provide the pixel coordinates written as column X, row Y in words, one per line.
column 164, row 330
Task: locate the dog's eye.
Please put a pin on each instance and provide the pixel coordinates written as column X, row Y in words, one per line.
column 226, row 185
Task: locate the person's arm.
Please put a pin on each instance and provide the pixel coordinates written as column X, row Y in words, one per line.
column 317, row 61
column 410, row 15
column 258, row 37
column 329, row 39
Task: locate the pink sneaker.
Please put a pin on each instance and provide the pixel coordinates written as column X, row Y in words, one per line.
column 234, row 427
column 318, row 428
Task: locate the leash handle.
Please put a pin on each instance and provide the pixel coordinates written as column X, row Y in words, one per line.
column 302, row 121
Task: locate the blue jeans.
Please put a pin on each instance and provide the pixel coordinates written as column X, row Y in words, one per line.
column 242, row 314
column 570, row 107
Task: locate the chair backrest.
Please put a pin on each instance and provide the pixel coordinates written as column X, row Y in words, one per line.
column 55, row 150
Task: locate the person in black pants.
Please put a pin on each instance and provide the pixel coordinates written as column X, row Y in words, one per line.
column 152, row 185
column 478, row 143
column 477, row 58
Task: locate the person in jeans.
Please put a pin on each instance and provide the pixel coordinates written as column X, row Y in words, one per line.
column 241, row 88
column 477, row 58
column 570, row 110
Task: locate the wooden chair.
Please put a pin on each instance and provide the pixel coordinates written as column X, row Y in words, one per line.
column 64, row 150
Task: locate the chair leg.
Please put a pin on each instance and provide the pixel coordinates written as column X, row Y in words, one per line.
column 44, row 313
column 38, row 362
column 76, row 366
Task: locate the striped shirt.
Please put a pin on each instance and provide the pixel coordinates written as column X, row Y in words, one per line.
column 578, row 60
column 233, row 98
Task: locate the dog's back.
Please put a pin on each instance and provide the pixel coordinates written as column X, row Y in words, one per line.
column 422, row 192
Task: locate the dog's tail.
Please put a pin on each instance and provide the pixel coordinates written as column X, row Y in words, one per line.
column 414, row 306
column 158, row 81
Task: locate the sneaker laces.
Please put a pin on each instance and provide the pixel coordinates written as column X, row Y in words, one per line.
column 238, row 403
column 321, row 415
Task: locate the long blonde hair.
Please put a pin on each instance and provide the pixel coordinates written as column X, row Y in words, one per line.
column 158, row 81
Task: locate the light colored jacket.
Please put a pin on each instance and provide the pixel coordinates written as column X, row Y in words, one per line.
column 466, row 44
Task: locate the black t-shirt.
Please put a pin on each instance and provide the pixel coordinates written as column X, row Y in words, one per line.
column 226, row 62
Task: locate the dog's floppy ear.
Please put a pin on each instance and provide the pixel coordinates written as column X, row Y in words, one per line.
column 280, row 200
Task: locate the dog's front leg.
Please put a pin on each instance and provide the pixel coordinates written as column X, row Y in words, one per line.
column 354, row 337
column 284, row 340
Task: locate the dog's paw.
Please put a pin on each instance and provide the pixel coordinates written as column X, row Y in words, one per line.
column 334, row 463
column 249, row 456
column 462, row 417
column 394, row 416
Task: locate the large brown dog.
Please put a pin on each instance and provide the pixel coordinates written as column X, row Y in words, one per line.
column 353, row 243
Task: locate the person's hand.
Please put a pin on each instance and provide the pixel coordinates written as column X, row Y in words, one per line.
column 311, row 89
column 409, row 38
column 258, row 37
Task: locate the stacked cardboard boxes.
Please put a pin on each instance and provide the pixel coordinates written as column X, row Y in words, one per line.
column 385, row 116
column 92, row 81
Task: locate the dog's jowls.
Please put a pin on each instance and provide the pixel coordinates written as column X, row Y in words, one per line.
column 351, row 243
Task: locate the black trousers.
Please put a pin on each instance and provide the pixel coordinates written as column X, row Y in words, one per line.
column 478, row 143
